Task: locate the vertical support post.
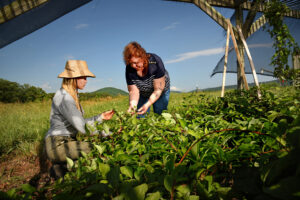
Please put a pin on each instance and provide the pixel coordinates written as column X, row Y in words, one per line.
column 238, row 55
column 296, row 66
column 225, row 62
column 250, row 60
column 239, row 22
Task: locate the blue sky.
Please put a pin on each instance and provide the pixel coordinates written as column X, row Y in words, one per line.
column 189, row 42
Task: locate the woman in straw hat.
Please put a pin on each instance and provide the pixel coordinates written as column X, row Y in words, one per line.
column 66, row 118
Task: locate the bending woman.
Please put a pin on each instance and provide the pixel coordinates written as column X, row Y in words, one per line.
column 147, row 80
column 66, row 118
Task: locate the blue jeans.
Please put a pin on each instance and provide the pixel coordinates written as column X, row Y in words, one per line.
column 160, row 105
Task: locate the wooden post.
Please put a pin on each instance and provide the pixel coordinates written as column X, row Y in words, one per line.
column 239, row 22
column 296, row 66
column 225, row 62
column 251, row 61
column 238, row 55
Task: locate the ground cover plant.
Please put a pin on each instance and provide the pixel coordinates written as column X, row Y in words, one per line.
column 203, row 148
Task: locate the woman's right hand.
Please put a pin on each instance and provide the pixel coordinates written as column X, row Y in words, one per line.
column 107, row 115
column 131, row 109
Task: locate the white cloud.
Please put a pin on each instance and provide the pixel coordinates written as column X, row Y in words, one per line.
column 46, row 86
column 171, row 26
column 193, row 54
column 174, row 88
column 81, row 26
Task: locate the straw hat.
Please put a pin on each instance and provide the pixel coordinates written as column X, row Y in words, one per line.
column 76, row 68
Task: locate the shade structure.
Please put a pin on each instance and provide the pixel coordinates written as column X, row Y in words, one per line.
column 21, row 17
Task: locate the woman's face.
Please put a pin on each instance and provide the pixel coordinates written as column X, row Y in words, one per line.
column 81, row 82
column 137, row 63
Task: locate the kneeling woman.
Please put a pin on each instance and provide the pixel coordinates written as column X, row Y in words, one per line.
column 66, row 118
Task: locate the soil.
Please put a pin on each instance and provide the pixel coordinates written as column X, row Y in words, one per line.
column 16, row 170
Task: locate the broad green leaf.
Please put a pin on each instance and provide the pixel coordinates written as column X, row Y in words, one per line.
column 70, row 163
column 104, row 169
column 100, row 148
column 281, row 141
column 12, row 193
column 168, row 182
column 113, row 176
column 140, row 191
column 195, row 151
column 99, row 188
column 167, row 116
column 93, row 164
column 178, row 116
column 120, row 197
column 169, row 163
column 28, row 188
column 153, row 196
column 134, row 121
column 183, row 189
column 149, row 168
column 106, row 128
column 127, row 171
column 209, row 181
column 194, row 197
column 193, row 133
column 138, row 173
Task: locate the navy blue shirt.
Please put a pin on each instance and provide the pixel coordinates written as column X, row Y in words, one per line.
column 156, row 69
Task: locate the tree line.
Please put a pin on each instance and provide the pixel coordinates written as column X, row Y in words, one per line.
column 11, row 92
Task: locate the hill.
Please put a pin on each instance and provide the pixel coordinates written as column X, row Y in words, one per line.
column 275, row 82
column 111, row 91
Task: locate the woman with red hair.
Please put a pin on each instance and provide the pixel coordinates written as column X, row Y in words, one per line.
column 147, row 80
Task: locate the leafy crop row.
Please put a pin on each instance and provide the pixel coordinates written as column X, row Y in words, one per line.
column 208, row 148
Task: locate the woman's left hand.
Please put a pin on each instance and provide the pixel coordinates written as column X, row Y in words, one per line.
column 107, row 115
column 143, row 109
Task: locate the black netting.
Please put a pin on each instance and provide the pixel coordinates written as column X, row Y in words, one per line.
column 261, row 50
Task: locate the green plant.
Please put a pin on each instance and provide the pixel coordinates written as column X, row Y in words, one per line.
column 284, row 43
column 206, row 148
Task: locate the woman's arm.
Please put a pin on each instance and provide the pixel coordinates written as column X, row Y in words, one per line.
column 134, row 95
column 159, row 85
column 74, row 116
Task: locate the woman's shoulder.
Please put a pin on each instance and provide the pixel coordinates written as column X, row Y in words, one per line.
column 62, row 94
column 154, row 58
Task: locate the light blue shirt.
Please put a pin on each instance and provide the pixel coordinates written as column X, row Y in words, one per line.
column 66, row 119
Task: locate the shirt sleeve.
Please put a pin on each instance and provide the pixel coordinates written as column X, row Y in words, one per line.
column 74, row 116
column 128, row 76
column 160, row 72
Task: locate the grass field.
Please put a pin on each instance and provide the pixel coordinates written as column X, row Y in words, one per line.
column 23, row 126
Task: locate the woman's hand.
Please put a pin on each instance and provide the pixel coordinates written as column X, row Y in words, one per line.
column 144, row 108
column 107, row 115
column 131, row 109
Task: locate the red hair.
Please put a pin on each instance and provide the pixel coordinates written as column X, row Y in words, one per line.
column 134, row 49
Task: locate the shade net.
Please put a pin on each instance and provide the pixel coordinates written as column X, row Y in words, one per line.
column 261, row 49
column 33, row 17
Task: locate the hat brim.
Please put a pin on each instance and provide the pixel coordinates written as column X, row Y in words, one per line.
column 67, row 74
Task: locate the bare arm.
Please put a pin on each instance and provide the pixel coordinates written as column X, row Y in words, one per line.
column 134, row 95
column 159, row 85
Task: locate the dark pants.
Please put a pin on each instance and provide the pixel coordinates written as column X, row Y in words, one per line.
column 159, row 106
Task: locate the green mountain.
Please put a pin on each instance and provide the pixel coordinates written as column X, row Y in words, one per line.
column 274, row 82
column 111, row 91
